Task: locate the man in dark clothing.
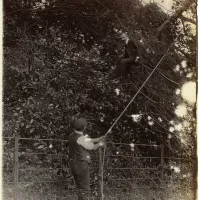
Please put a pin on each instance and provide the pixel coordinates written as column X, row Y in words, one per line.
column 79, row 147
column 131, row 52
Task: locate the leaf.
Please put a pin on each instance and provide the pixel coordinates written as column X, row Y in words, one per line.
column 27, row 185
column 70, row 91
column 31, row 121
column 41, row 146
column 50, row 90
column 36, row 144
column 31, row 130
column 28, row 126
column 45, row 148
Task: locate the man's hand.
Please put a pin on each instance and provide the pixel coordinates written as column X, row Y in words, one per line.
column 101, row 144
column 102, row 138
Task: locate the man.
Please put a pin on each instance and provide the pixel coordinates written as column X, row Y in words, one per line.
column 131, row 52
column 79, row 147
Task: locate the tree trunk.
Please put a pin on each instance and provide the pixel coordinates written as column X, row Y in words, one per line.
column 178, row 14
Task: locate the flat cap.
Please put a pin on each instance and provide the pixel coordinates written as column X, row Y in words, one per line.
column 79, row 123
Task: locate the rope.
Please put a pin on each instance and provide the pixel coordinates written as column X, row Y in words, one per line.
column 110, row 129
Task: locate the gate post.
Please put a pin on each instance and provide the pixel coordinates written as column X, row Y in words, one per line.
column 16, row 164
column 162, row 160
column 61, row 157
column 100, row 175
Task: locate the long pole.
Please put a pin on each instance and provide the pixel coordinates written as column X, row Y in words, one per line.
column 109, row 130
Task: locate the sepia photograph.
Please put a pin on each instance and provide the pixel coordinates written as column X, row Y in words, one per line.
column 99, row 100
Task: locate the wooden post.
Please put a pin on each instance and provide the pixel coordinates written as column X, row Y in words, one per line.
column 100, row 175
column 61, row 157
column 162, row 160
column 132, row 176
column 16, row 170
column 62, row 172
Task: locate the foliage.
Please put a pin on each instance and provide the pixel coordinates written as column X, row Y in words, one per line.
column 59, row 60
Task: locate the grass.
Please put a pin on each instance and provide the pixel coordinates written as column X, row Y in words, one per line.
column 27, row 192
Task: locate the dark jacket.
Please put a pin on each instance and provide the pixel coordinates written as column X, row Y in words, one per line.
column 76, row 151
column 131, row 50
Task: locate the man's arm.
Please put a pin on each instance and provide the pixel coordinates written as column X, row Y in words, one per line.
column 97, row 139
column 87, row 143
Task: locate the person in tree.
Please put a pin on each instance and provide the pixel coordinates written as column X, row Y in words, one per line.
column 131, row 52
column 79, row 147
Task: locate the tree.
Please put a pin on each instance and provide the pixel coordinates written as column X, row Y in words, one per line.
column 178, row 14
column 59, row 58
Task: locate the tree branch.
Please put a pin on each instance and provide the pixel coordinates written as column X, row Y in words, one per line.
column 159, row 72
column 174, row 17
column 181, row 51
column 188, row 19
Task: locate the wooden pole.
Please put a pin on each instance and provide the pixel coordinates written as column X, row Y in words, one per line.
column 132, row 174
column 62, row 172
column 61, row 157
column 162, row 160
column 100, row 174
column 16, row 165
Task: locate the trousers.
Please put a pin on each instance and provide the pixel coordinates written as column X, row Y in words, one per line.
column 81, row 174
column 123, row 66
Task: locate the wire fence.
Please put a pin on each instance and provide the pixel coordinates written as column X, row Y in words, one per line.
column 41, row 162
